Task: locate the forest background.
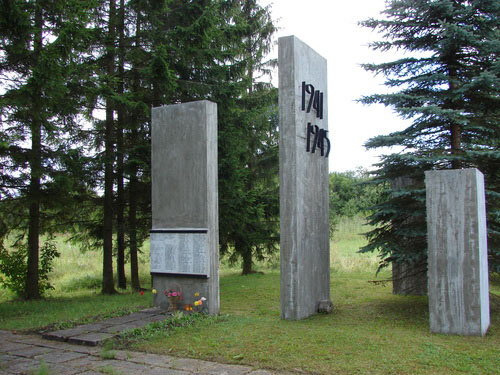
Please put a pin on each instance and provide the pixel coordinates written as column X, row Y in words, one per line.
column 79, row 80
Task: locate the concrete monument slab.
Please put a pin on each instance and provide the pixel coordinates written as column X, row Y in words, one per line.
column 304, row 149
column 184, row 237
column 458, row 258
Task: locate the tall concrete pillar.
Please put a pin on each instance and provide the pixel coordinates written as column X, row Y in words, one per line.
column 184, row 237
column 457, row 259
column 304, row 149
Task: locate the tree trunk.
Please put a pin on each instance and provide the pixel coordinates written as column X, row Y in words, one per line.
column 120, row 207
column 456, row 149
column 132, row 212
column 245, row 251
column 247, row 262
column 132, row 223
column 32, row 278
column 107, row 269
column 455, row 129
column 32, row 284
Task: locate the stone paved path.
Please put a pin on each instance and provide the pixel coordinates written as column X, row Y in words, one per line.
column 24, row 354
column 96, row 333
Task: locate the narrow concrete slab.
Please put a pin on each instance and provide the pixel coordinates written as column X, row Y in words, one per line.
column 458, row 252
column 184, row 236
column 31, row 351
column 304, row 148
column 59, row 356
column 91, row 339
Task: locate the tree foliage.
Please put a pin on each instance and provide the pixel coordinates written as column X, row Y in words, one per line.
column 40, row 43
column 448, row 85
column 351, row 193
column 78, row 82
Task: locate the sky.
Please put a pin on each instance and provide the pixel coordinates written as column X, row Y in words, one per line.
column 331, row 29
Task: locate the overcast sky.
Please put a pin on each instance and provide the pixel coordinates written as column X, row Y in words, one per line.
column 331, row 29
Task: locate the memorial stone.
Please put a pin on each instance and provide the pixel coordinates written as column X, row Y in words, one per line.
column 304, row 150
column 457, row 259
column 184, row 236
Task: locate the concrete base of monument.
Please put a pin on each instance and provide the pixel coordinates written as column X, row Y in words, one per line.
column 191, row 288
column 325, row 307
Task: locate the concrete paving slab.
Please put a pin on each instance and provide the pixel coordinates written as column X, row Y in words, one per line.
column 22, row 366
column 91, row 339
column 63, row 369
column 90, row 350
column 85, row 362
column 7, row 358
column 152, row 359
column 191, row 365
column 65, row 334
column 166, row 371
column 222, row 369
column 59, row 357
column 119, row 328
column 31, row 351
column 8, row 346
column 126, row 318
column 126, row 368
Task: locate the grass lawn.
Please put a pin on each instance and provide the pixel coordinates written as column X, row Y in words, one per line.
column 76, row 297
column 370, row 331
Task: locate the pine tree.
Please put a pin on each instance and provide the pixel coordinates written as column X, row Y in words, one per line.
column 449, row 88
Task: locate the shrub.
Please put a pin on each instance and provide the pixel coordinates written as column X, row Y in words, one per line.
column 14, row 267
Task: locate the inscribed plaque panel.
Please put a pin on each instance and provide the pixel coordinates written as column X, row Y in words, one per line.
column 180, row 253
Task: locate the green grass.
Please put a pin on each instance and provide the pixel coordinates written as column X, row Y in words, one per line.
column 347, row 240
column 370, row 331
column 76, row 297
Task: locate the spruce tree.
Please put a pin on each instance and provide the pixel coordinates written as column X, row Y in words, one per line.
column 448, row 86
column 39, row 67
column 248, row 145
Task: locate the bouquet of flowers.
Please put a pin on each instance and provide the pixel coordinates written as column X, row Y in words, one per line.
column 174, row 298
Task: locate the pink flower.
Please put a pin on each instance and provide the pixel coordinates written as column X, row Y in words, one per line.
column 142, row 292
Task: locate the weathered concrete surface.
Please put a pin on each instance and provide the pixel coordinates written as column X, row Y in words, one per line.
column 304, row 244
column 23, row 354
column 457, row 260
column 184, row 192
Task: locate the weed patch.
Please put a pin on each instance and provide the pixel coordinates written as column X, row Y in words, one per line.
column 165, row 328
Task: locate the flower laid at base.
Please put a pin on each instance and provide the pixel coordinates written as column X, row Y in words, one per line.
column 175, row 297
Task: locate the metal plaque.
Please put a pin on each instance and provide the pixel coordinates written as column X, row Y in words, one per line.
column 181, row 252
